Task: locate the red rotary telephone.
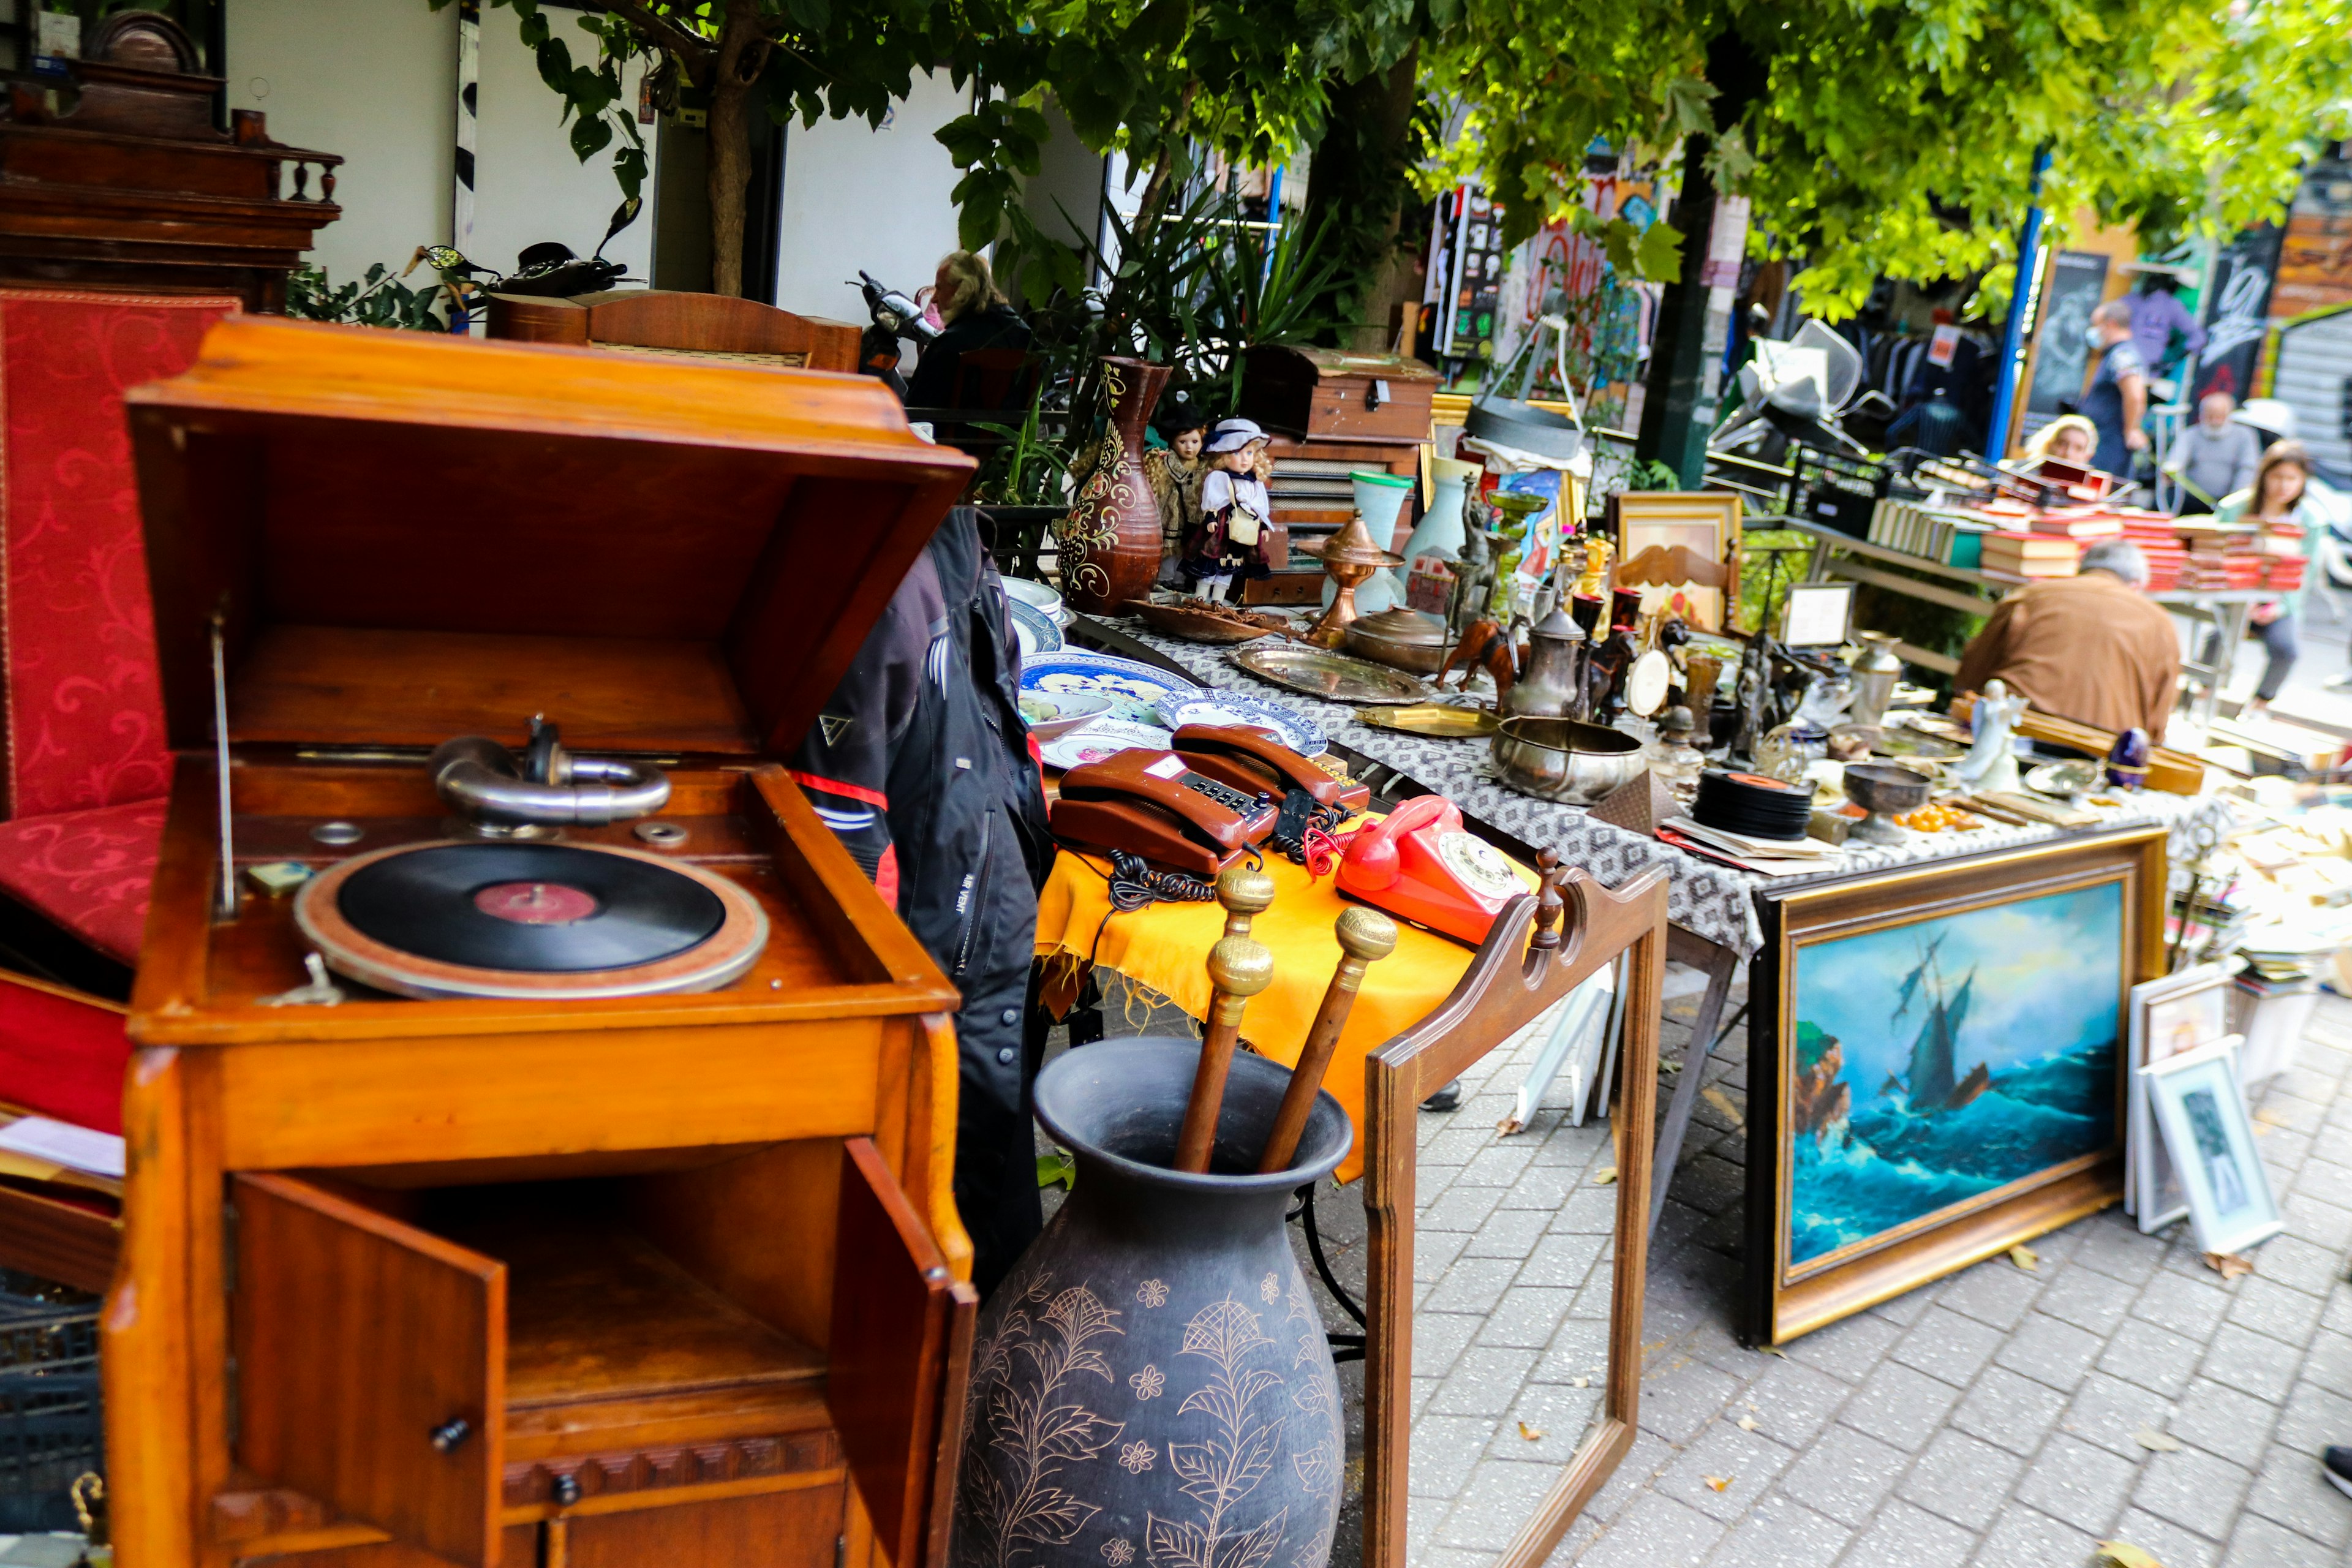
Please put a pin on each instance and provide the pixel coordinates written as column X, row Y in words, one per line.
column 1417, row 863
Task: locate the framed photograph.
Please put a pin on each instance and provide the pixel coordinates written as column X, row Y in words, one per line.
column 2176, row 1013
column 1935, row 1066
column 1707, row 522
column 2202, row 1109
column 1817, row 615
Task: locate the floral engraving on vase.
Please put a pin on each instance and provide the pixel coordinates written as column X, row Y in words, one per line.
column 1136, row 1458
column 1149, row 1382
column 1243, row 1441
column 1088, row 532
column 1152, row 1293
column 1117, row 1552
column 1269, row 1289
column 1027, row 1408
column 1319, row 1467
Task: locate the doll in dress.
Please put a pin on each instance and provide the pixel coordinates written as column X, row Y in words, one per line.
column 1175, row 472
column 1229, row 543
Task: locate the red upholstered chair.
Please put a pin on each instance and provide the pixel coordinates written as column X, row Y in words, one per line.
column 84, row 766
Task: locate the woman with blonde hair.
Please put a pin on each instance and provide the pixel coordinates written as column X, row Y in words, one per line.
column 973, row 314
column 2069, row 438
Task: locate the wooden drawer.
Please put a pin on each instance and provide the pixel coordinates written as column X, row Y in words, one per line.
column 441, row 1363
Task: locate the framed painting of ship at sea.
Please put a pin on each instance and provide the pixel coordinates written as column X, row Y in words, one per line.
column 1935, row 1066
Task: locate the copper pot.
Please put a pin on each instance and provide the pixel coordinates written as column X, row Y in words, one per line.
column 1400, row 638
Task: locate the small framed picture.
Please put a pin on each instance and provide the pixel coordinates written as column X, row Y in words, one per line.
column 2168, row 1017
column 2202, row 1112
column 1817, row 615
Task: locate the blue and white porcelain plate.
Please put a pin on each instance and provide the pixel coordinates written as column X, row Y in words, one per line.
column 1135, row 689
column 1033, row 629
column 1301, row 734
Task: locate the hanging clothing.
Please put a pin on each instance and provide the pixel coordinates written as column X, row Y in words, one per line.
column 920, row 764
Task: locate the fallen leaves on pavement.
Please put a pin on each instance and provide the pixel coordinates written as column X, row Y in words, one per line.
column 2229, row 1264
column 1604, row 1175
column 1719, row 1482
column 1532, row 1434
column 2123, row 1554
column 2025, row 1258
column 2157, row 1442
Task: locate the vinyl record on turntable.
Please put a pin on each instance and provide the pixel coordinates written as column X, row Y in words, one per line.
column 461, row 918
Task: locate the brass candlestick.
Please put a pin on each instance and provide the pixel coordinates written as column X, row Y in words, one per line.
column 1349, row 559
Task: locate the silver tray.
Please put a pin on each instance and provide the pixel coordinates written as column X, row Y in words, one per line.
column 1332, row 677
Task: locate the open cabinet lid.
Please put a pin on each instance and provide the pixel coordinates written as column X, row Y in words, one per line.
column 409, row 537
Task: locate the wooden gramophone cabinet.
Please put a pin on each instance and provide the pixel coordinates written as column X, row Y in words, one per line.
column 663, row 1280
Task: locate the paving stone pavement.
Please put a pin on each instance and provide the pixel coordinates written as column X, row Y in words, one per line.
column 1994, row 1417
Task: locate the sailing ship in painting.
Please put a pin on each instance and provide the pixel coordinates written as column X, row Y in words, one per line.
column 1940, row 1062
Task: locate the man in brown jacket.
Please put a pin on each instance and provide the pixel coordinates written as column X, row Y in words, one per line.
column 2093, row 647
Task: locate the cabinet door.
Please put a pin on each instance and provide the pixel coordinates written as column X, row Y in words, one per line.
column 361, row 1344
column 901, row 1347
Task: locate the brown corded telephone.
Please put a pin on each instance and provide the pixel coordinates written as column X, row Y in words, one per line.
column 1153, row 805
column 1252, row 759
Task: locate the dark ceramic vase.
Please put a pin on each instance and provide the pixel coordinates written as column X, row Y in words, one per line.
column 2127, row 762
column 1110, row 541
column 1150, row 1385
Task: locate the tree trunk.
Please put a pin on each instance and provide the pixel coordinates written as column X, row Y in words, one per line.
column 742, row 51
column 1355, row 198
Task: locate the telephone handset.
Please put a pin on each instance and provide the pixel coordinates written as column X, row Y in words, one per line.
column 1152, row 805
column 1419, row 864
column 1251, row 759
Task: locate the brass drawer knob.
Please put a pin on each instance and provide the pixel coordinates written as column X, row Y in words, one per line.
column 450, row 1434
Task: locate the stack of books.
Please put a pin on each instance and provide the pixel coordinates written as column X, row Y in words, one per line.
column 2019, row 555
column 2084, row 525
column 1950, row 535
column 2283, row 573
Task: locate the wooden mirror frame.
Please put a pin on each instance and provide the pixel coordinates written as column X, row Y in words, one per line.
column 1527, row 964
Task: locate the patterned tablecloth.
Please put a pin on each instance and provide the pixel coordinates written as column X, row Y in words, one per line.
column 1708, row 900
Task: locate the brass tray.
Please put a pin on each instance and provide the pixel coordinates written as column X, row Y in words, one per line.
column 1438, row 720
column 1332, row 677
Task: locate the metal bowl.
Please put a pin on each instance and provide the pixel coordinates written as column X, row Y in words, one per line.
column 1197, row 621
column 1886, row 791
column 1563, row 760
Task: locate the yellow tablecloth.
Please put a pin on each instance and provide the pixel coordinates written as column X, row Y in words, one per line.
column 1164, row 947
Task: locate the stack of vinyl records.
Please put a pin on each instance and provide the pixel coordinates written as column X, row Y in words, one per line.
column 1753, row 805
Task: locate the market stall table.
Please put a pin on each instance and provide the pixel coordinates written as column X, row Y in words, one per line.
column 2227, row 610
column 1712, row 906
column 1158, row 948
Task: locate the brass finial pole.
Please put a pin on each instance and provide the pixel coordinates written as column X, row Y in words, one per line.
column 1244, row 893
column 1239, row 968
column 1366, row 936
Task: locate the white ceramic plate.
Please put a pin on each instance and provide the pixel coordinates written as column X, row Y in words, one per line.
column 1037, row 596
column 1103, row 738
column 1646, row 683
column 1134, row 687
column 1300, row 734
column 1051, row 718
column 1033, row 629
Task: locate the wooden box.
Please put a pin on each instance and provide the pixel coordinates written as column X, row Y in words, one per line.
column 1325, row 392
column 669, row 1279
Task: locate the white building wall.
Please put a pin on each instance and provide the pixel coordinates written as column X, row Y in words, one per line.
column 529, row 185
column 375, row 80
column 857, row 197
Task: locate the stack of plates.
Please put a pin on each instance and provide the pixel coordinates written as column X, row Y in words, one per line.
column 1753, row 805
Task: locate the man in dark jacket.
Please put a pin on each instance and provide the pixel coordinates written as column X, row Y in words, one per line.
column 919, row 762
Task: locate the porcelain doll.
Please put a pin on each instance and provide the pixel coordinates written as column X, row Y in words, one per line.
column 1175, row 472
column 1230, row 543
column 1990, row 766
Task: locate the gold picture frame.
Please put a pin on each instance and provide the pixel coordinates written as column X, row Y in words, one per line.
column 1706, row 522
column 1916, row 1164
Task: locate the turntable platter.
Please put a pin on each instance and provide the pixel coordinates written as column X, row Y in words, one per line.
column 464, row 919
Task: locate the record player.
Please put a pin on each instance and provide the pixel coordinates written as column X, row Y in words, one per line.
column 541, row 1127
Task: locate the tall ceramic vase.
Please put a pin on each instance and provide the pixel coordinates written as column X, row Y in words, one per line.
column 1110, row 541
column 1151, row 1383
column 1380, row 499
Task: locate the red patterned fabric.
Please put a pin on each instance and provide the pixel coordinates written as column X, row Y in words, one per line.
column 61, row 1057
column 84, row 715
column 86, row 871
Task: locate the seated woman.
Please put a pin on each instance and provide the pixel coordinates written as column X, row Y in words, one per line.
column 2273, row 501
column 975, row 315
column 2069, row 438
